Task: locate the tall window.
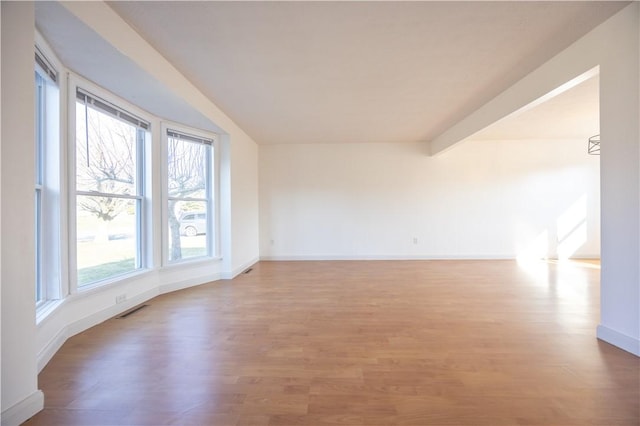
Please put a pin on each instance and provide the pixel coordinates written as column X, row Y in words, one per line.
column 47, row 118
column 190, row 183
column 40, row 136
column 109, row 189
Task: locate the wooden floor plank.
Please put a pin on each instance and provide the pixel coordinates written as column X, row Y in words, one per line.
column 354, row 342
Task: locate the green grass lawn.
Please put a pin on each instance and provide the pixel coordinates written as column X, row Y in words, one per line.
column 103, row 271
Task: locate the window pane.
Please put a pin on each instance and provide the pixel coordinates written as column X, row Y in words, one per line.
column 38, row 232
column 187, row 168
column 40, row 125
column 39, row 132
column 187, row 229
column 105, row 152
column 47, row 182
column 106, row 237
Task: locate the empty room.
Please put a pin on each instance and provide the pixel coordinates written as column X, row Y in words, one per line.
column 308, row 213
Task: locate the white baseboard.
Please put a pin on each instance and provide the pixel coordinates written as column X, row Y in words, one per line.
column 96, row 318
column 82, row 324
column 181, row 285
column 240, row 269
column 49, row 350
column 627, row 343
column 321, row 257
column 585, row 256
column 23, row 410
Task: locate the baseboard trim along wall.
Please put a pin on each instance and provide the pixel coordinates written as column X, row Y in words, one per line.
column 385, row 257
column 50, row 349
column 53, row 345
column 269, row 258
column 240, row 269
column 618, row 339
column 23, row 410
column 192, row 282
column 82, row 324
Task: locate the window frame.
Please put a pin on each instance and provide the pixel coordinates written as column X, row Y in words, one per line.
column 143, row 259
column 40, row 135
column 212, row 194
column 49, row 163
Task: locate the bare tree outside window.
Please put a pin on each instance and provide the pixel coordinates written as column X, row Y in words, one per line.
column 105, row 163
column 108, row 199
column 188, row 182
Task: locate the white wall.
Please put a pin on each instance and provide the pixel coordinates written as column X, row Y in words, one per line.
column 0, row 223
column 619, row 52
column 482, row 199
column 244, row 204
column 19, row 384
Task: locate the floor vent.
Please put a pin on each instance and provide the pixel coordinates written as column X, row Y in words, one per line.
column 248, row 270
column 131, row 311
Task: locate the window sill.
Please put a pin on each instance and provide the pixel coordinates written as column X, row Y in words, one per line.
column 190, row 263
column 110, row 282
column 46, row 308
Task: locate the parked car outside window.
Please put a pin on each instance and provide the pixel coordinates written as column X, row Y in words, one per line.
column 193, row 223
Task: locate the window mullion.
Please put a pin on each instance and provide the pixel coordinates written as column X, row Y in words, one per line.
column 109, row 195
column 186, row 199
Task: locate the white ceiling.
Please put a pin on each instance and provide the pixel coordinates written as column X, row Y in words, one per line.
column 308, row 72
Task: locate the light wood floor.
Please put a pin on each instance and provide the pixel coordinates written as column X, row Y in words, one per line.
column 367, row 343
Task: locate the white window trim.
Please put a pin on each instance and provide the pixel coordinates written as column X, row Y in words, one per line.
column 213, row 225
column 146, row 260
column 52, row 255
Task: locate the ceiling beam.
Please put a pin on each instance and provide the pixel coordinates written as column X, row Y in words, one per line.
column 566, row 70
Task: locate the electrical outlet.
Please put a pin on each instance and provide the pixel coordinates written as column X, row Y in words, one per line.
column 272, row 242
column 415, row 240
column 121, row 298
